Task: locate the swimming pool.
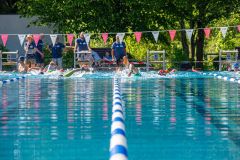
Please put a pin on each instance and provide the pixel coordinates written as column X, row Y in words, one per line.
column 183, row 116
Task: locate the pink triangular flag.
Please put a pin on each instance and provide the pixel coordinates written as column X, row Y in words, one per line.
column 172, row 34
column 138, row 36
column 70, row 38
column 207, row 32
column 105, row 37
column 4, row 39
column 36, row 38
column 238, row 27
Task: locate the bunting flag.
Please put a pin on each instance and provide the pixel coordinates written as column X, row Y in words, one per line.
column 53, row 38
column 138, row 36
column 4, row 39
column 172, row 34
column 70, row 38
column 36, row 38
column 87, row 37
column 21, row 38
column 224, row 31
column 189, row 33
column 238, row 27
column 121, row 36
column 207, row 32
column 155, row 35
column 105, row 37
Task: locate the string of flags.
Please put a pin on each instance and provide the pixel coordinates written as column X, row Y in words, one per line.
column 138, row 35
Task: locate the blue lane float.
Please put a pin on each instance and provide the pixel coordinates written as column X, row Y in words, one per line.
column 118, row 141
column 2, row 82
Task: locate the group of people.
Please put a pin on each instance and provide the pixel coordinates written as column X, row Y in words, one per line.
column 86, row 57
column 34, row 55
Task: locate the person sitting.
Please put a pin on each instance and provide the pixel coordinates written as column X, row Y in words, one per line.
column 107, row 57
column 21, row 65
column 132, row 69
column 96, row 58
column 236, row 67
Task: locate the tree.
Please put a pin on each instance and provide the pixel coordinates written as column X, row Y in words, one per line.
column 132, row 15
column 196, row 14
column 8, row 7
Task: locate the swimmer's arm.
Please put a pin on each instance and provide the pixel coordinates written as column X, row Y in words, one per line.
column 37, row 50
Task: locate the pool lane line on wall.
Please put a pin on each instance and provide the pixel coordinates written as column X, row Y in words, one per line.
column 118, row 141
column 2, row 82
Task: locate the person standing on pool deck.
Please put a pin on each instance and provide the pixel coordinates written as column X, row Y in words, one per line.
column 118, row 50
column 39, row 54
column 30, row 49
column 81, row 45
column 57, row 50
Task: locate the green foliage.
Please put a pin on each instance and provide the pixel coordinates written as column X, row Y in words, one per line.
column 94, row 16
column 8, row 6
column 2, row 48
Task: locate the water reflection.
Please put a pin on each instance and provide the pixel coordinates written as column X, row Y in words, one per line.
column 138, row 108
column 173, row 102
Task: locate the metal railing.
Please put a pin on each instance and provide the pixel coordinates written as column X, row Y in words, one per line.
column 11, row 59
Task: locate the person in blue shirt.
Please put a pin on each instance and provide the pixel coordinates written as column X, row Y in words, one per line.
column 84, row 58
column 39, row 54
column 118, row 50
column 57, row 51
column 30, row 49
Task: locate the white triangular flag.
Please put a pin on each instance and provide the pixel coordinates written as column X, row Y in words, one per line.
column 121, row 36
column 189, row 33
column 21, row 38
column 87, row 37
column 53, row 38
column 155, row 35
column 224, row 31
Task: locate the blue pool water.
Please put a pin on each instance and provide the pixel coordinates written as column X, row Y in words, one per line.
column 185, row 116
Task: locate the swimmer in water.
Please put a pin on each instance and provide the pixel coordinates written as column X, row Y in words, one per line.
column 132, row 69
column 165, row 72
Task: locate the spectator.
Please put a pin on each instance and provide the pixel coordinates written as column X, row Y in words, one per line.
column 57, row 52
column 118, row 50
column 96, row 58
column 39, row 54
column 85, row 58
column 107, row 57
column 30, row 49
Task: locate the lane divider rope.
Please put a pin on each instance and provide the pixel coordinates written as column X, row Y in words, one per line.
column 2, row 82
column 118, row 141
column 219, row 76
